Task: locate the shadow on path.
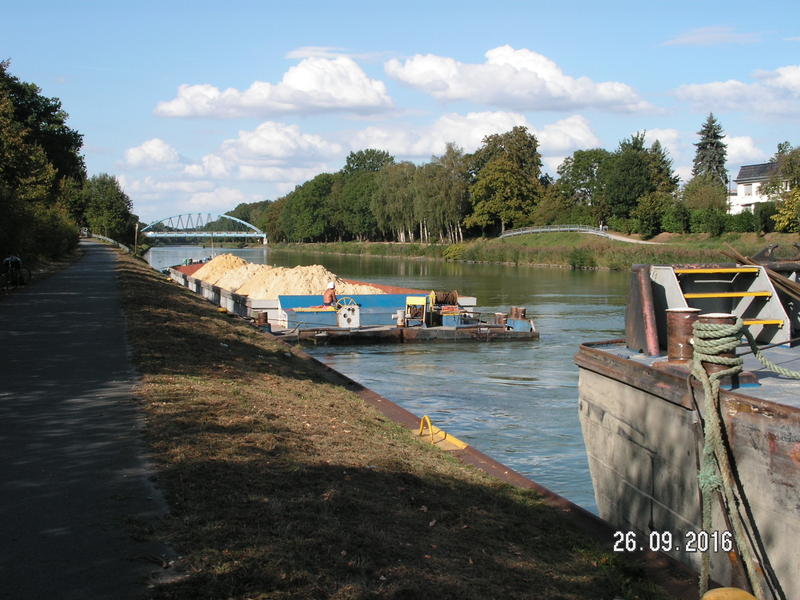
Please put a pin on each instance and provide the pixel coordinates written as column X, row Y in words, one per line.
column 72, row 478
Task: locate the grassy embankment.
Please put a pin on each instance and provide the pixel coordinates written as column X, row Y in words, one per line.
column 284, row 485
column 574, row 250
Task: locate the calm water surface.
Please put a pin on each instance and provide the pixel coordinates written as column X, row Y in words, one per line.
column 515, row 401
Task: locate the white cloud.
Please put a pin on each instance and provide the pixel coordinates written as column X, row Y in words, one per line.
column 684, row 172
column 316, row 52
column 279, row 141
column 742, row 150
column 316, row 84
column 266, row 153
column 152, row 153
column 467, row 131
column 551, row 163
column 516, row 79
column 219, row 199
column 210, row 165
column 567, row 135
column 775, row 93
column 783, row 78
column 283, row 175
column 331, row 52
column 152, row 187
column 670, row 139
column 711, row 36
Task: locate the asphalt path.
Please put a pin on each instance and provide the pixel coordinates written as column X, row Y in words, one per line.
column 74, row 484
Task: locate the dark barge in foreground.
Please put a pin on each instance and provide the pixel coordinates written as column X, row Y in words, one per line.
column 641, row 416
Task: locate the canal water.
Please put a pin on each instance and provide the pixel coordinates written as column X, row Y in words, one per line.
column 515, row 401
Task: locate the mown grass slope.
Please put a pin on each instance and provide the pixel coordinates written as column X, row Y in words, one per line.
column 283, row 485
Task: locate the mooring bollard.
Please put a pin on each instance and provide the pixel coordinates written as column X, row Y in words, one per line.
column 679, row 333
column 718, row 319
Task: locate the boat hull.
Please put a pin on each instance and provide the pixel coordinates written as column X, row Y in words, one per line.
column 643, row 443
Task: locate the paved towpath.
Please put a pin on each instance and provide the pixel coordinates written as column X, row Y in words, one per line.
column 72, row 477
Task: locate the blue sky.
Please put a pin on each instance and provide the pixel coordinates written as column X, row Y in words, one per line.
column 198, row 106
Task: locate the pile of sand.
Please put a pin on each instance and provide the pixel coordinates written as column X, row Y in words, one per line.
column 298, row 281
column 264, row 282
column 218, row 266
column 236, row 278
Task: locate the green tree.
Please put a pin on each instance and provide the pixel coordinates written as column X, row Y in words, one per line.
column 369, row 159
column 454, row 190
column 662, row 175
column 350, row 213
column 632, row 172
column 787, row 174
column 108, row 208
column 625, row 177
column 787, row 215
column 579, row 175
column 392, row 204
column 271, row 220
column 711, row 153
column 27, row 192
column 763, row 212
column 708, row 220
column 649, row 213
column 72, row 199
column 675, row 218
column 742, row 222
column 703, row 191
column 502, row 194
column 40, row 172
column 506, row 186
column 304, row 217
column 45, row 122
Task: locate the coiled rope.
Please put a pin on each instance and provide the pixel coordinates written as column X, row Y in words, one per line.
column 716, row 473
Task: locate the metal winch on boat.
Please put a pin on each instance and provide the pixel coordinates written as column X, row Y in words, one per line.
column 348, row 313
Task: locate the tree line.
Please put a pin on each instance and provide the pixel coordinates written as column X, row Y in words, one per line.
column 501, row 185
column 45, row 195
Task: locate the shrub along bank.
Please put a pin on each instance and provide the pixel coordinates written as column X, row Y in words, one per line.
column 565, row 249
column 284, row 485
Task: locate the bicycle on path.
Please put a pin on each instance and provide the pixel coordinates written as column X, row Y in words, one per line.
column 13, row 274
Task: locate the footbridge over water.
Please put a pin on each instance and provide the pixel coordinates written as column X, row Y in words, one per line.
column 601, row 231
column 203, row 225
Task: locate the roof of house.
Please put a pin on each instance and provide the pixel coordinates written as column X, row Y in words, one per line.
column 760, row 172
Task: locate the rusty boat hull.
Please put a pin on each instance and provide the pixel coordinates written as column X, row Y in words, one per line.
column 641, row 415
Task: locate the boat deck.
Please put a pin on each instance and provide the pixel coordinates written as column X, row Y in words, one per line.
column 771, row 386
column 381, row 334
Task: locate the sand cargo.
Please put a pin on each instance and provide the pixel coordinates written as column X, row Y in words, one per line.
column 289, row 302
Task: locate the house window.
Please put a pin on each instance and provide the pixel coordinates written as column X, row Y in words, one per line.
column 747, row 189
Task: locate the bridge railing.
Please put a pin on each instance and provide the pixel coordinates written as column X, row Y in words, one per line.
column 552, row 228
column 218, row 234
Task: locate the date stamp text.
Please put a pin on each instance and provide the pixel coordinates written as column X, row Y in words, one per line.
column 666, row 541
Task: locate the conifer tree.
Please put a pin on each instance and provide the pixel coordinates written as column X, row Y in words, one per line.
column 711, row 154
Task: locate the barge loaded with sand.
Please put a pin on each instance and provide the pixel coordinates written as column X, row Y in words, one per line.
column 705, row 467
column 289, row 303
